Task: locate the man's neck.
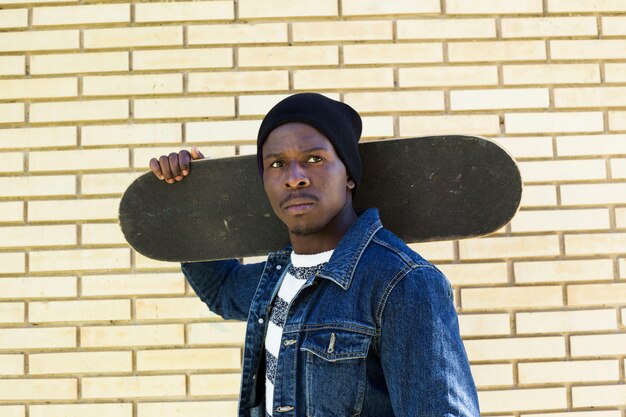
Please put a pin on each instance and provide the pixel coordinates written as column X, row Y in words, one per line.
column 328, row 238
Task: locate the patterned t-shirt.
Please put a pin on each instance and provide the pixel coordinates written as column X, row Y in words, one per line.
column 302, row 267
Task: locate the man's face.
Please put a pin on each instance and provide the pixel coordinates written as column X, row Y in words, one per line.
column 304, row 179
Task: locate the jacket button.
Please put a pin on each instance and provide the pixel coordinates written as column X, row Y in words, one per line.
column 289, row 342
column 284, row 409
column 279, row 267
column 261, row 321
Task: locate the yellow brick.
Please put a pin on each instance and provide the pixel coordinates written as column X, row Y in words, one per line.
column 526, row 147
column 76, row 311
column 587, row 49
column 590, row 97
column 237, row 33
column 511, row 297
column 259, row 105
column 617, row 120
column 92, row 209
column 80, row 259
column 41, row 40
column 566, row 321
column 78, row 160
column 494, row 7
column 13, row 18
column 216, row 333
column 484, row 324
column 79, row 111
column 506, row 98
column 252, row 9
column 551, row 220
column 185, row 107
column 188, row 409
column 401, row 53
column 12, row 263
column 79, row 63
column 496, row 51
column 613, row 26
column 11, row 365
column 563, row 170
column 183, row 58
column 560, row 271
column 591, row 145
column 107, row 183
column 551, row 74
column 374, row 7
column 137, row 335
column 39, row 287
column 38, row 137
column 449, row 125
column 12, row 211
column 560, row 6
column 142, row 262
column 540, row 27
column 492, row 375
column 38, row 185
column 13, row 410
column 620, row 219
column 605, row 413
column 131, row 134
column 593, row 244
column 134, row 386
column 448, row 76
column 171, row 308
column 33, row 338
column 135, row 284
column 446, row 28
column 132, row 84
column 596, row 294
column 507, row 247
column 439, row 251
column 102, row 234
column 598, row 345
column 11, row 112
column 81, row 410
column 597, row 194
column 35, row 1
column 38, row 389
column 281, row 56
column 238, row 81
column 136, row 36
column 29, row 236
column 143, row 155
column 522, row 399
column 571, row 371
column 12, row 162
column 79, row 363
column 342, row 31
column 475, row 273
column 343, row 78
column 396, row 101
column 515, row 348
column 598, row 396
column 75, row 15
column 182, row 359
column 12, row 312
column 196, row 10
column 222, row 384
column 554, row 122
column 12, row 65
column 618, row 168
column 615, row 73
column 378, row 127
column 237, row 130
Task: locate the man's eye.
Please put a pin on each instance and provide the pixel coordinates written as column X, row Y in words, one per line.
column 314, row 159
column 276, row 164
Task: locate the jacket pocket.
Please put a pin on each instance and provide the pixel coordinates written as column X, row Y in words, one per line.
column 335, row 371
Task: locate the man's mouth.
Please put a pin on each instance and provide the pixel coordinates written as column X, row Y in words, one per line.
column 298, row 204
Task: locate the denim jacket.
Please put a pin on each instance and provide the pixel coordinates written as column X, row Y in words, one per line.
column 373, row 334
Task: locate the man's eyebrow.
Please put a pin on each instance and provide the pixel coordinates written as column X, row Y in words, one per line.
column 309, row 150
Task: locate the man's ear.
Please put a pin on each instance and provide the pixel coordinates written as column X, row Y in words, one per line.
column 351, row 183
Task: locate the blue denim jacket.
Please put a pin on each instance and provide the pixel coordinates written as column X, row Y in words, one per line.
column 374, row 334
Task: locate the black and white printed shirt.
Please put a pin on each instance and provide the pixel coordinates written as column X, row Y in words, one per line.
column 302, row 267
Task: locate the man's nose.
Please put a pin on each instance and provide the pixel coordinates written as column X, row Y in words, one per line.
column 296, row 177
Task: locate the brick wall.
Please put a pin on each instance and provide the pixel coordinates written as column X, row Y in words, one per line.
column 89, row 91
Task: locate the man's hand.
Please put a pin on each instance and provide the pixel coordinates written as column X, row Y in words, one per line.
column 174, row 166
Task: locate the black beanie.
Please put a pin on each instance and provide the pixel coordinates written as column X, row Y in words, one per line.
column 340, row 123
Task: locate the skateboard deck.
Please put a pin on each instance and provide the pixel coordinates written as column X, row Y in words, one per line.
column 430, row 188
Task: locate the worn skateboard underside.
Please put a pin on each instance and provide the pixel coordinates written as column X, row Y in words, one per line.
column 432, row 188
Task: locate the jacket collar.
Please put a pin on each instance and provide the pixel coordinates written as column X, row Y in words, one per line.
column 340, row 269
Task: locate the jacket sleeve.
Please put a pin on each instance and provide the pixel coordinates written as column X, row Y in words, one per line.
column 422, row 355
column 226, row 287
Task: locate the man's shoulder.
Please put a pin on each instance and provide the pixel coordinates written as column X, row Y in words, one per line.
column 388, row 246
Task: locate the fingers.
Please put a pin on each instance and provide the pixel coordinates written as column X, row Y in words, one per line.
column 164, row 161
column 183, row 162
column 196, row 154
column 156, row 168
column 175, row 166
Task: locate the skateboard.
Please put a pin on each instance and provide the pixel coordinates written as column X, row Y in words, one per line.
column 429, row 188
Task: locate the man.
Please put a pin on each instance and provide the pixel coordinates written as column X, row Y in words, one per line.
column 348, row 320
